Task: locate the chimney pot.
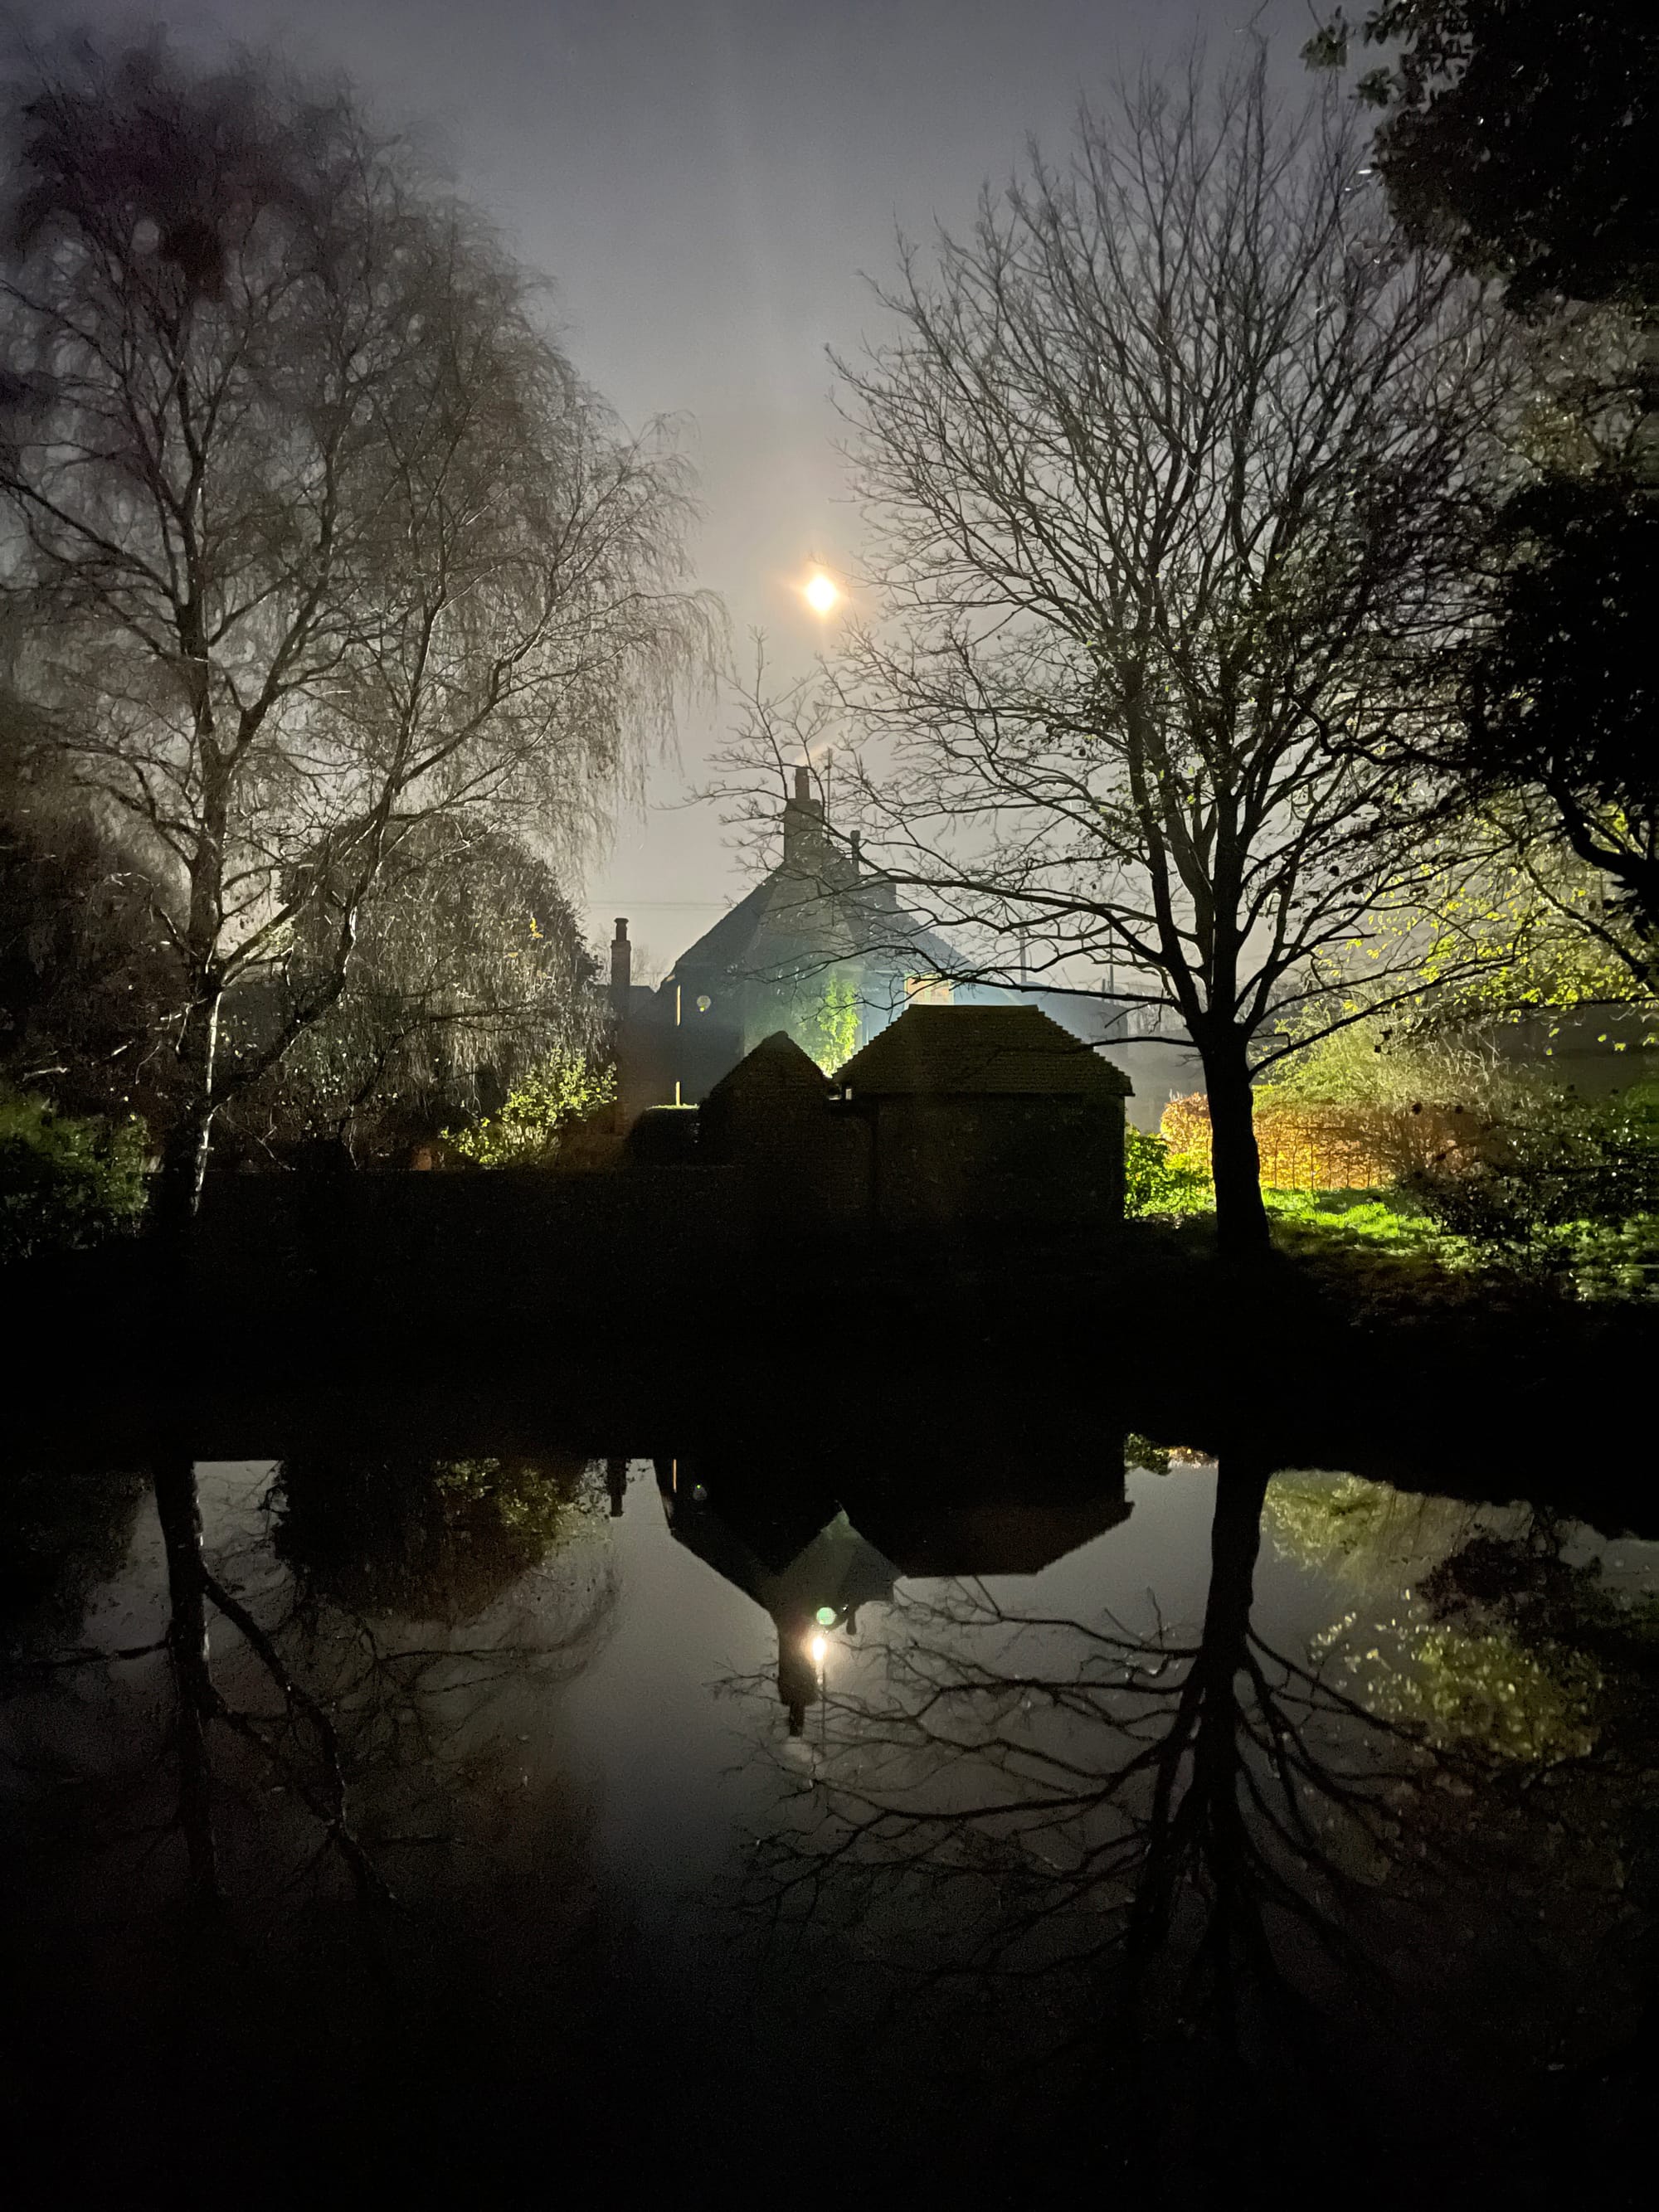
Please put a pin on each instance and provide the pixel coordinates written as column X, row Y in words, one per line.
column 802, row 786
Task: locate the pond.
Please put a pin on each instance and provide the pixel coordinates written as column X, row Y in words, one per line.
column 731, row 1822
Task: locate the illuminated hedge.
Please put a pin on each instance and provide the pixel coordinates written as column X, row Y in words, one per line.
column 1305, row 1146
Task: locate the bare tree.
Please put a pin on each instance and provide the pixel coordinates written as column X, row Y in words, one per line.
column 1161, row 470
column 317, row 534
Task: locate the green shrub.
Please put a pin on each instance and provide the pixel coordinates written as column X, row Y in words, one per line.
column 1615, row 1260
column 1551, row 1167
column 66, row 1180
column 1156, row 1180
column 528, row 1130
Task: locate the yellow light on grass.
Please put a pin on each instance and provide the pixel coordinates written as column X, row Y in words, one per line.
column 821, row 594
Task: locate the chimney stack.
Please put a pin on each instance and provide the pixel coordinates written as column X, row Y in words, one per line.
column 855, row 848
column 803, row 829
column 621, row 968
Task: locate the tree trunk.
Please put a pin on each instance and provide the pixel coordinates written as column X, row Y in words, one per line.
column 1241, row 1219
column 178, row 1508
column 185, row 1156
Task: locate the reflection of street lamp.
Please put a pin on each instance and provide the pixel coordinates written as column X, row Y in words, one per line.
column 819, row 1648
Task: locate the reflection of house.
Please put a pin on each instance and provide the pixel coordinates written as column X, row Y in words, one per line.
column 821, row 949
column 810, row 1583
column 805, row 1562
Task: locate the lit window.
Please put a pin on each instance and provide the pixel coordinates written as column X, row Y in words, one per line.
column 926, row 991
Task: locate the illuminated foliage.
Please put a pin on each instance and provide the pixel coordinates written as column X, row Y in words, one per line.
column 829, row 1031
column 66, row 1180
column 531, row 1126
column 1488, row 1692
column 1156, row 1180
column 1475, row 1684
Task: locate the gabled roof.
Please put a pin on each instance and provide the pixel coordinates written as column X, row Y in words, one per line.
column 980, row 1052
column 726, row 945
column 777, row 1063
column 790, row 918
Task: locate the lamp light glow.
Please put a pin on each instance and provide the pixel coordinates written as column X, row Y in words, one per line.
column 819, row 1647
column 821, row 593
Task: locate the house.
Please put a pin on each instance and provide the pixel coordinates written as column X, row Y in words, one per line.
column 987, row 1115
column 821, row 949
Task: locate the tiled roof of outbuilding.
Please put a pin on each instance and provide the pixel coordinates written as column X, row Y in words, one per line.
column 980, row 1052
column 777, row 1063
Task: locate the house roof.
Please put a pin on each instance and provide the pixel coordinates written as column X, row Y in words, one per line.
column 777, row 1063
column 790, row 917
column 728, row 944
column 980, row 1052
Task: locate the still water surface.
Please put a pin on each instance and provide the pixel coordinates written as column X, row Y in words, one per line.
column 705, row 1827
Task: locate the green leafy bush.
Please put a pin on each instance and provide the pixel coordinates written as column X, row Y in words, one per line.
column 1157, row 1180
column 1553, row 1166
column 530, row 1127
column 66, row 1180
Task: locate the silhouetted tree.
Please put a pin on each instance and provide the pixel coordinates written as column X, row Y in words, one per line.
column 1519, row 133
column 1163, row 467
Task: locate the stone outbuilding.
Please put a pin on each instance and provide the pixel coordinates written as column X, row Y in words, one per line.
column 988, row 1115
column 774, row 1117
column 955, row 1116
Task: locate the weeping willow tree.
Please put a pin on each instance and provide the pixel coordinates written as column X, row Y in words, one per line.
column 316, row 536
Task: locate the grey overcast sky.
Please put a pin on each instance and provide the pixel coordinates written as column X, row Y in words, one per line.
column 704, row 181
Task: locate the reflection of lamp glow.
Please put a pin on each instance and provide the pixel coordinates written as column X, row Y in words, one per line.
column 821, row 594
column 825, row 1616
column 818, row 1647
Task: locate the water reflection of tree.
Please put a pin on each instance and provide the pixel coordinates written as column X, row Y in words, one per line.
column 1073, row 1794
column 1205, row 1842
column 63, row 1532
column 372, row 1646
column 424, row 1593
column 426, row 1538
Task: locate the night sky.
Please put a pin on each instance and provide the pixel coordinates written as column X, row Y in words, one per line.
column 704, row 181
